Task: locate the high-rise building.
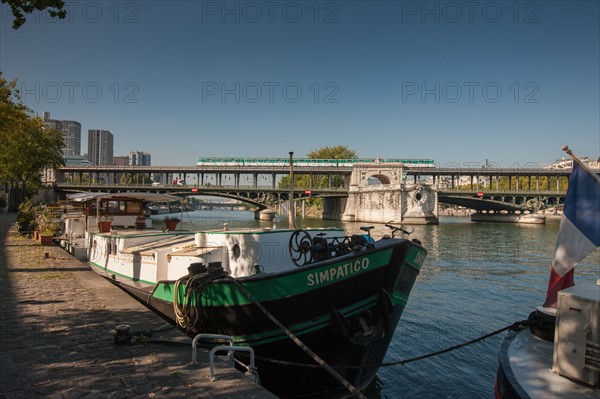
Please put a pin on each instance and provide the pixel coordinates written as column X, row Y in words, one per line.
column 121, row 160
column 71, row 132
column 139, row 158
column 100, row 147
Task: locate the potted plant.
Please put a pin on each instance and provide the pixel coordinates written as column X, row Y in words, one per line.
column 25, row 217
column 104, row 224
column 140, row 222
column 171, row 222
column 47, row 228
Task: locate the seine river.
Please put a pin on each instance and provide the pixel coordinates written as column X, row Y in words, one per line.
column 477, row 278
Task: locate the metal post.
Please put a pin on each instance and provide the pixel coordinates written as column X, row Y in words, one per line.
column 291, row 212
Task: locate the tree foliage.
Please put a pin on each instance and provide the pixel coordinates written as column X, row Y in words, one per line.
column 27, row 148
column 21, row 7
column 337, row 152
column 321, row 181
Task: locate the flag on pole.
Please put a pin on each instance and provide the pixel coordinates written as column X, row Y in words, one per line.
column 579, row 231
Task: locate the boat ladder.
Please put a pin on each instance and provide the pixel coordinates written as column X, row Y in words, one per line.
column 230, row 349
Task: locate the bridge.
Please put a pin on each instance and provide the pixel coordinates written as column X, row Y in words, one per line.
column 259, row 196
column 479, row 188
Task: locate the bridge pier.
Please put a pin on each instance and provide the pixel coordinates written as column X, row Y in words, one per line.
column 264, row 214
column 391, row 200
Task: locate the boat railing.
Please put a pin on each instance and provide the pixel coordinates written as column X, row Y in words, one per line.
column 304, row 249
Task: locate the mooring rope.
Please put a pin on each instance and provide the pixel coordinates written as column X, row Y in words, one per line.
column 514, row 326
column 298, row 342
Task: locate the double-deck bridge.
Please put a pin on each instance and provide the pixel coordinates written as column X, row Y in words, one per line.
column 479, row 188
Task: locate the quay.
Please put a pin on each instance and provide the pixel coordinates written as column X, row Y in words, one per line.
column 57, row 325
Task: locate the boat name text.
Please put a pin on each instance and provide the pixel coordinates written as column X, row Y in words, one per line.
column 336, row 273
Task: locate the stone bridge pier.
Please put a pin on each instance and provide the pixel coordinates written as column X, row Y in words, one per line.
column 378, row 194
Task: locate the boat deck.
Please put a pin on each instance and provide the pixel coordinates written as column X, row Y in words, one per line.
column 527, row 363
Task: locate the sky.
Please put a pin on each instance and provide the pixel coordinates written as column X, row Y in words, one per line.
column 458, row 82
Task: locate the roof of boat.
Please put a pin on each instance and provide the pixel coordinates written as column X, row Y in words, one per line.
column 193, row 251
column 167, row 242
column 150, row 197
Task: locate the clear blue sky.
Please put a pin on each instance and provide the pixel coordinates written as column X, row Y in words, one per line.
column 506, row 81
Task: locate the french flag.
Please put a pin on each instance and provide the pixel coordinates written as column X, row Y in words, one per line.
column 579, row 232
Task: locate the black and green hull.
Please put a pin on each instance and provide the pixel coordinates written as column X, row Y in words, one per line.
column 344, row 309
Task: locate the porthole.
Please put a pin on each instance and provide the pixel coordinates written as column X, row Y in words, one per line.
column 236, row 251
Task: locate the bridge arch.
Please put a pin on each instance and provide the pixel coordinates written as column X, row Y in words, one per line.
column 383, row 176
column 379, row 178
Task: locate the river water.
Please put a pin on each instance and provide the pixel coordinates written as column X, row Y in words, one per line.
column 477, row 278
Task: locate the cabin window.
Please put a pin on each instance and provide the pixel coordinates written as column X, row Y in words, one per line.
column 134, row 207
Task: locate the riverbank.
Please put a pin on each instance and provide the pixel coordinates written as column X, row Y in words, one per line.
column 57, row 321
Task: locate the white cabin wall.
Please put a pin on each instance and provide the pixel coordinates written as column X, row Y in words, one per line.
column 269, row 249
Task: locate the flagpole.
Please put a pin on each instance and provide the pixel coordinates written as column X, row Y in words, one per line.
column 566, row 149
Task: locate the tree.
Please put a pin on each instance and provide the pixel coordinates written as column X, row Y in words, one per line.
column 27, row 148
column 20, row 7
column 322, row 181
column 337, row 152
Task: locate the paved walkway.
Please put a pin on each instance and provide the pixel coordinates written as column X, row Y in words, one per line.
column 57, row 320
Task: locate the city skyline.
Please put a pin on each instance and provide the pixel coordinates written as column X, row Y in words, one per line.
column 507, row 82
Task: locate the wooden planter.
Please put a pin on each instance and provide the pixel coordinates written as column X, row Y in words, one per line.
column 104, row 227
column 171, row 225
column 45, row 240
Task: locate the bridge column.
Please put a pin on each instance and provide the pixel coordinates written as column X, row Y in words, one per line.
column 273, row 179
column 254, row 180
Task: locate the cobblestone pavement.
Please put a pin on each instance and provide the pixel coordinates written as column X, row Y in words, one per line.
column 57, row 319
